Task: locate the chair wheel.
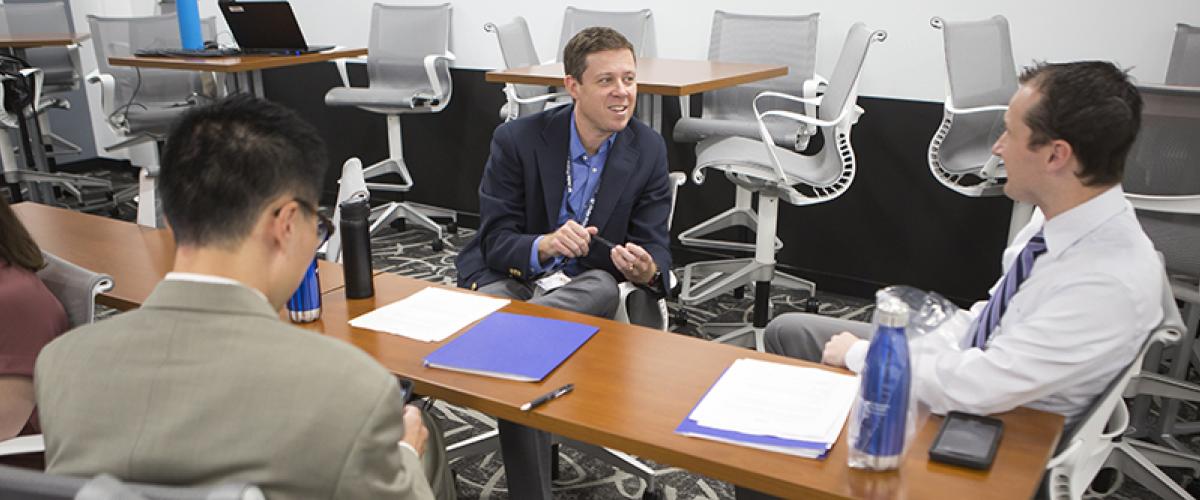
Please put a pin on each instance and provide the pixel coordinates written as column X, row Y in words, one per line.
column 739, row 292
column 654, row 494
column 452, row 227
column 680, row 318
column 400, row 225
column 812, row 305
column 437, row 245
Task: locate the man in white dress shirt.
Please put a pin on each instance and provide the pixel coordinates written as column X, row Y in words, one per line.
column 1082, row 283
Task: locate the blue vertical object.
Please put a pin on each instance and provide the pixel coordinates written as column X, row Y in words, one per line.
column 188, row 12
column 881, row 419
column 305, row 304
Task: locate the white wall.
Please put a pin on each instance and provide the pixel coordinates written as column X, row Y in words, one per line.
column 908, row 65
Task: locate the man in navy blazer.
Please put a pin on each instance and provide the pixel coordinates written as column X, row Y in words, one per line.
column 557, row 179
column 572, row 201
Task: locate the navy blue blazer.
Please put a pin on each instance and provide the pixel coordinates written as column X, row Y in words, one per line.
column 522, row 188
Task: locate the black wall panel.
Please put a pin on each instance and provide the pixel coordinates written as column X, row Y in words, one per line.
column 896, row 224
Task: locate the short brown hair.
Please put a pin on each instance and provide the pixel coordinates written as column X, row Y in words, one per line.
column 17, row 248
column 1094, row 107
column 588, row 41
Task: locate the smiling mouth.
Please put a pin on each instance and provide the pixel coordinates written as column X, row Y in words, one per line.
column 620, row 109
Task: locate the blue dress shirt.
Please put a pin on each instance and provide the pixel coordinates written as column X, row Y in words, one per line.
column 585, row 174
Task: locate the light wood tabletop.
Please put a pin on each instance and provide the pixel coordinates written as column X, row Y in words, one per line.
column 668, row 77
column 633, row 386
column 234, row 64
column 136, row 257
column 31, row 40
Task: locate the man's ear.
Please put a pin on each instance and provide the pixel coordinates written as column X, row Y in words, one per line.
column 572, row 86
column 282, row 225
column 1062, row 157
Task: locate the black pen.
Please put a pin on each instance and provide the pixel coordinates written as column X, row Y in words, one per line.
column 603, row 241
column 545, row 398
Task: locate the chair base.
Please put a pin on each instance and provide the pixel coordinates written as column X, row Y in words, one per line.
column 488, row 442
column 414, row 213
column 722, row 276
column 619, row 459
column 734, row 217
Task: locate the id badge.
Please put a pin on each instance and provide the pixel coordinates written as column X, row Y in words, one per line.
column 549, row 283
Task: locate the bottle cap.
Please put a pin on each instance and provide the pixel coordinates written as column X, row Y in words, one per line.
column 356, row 207
column 890, row 311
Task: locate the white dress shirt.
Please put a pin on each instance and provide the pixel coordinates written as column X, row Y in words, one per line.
column 1073, row 325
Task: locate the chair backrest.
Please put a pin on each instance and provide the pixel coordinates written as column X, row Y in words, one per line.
column 20, row 17
column 637, row 26
column 1184, row 66
column 401, row 37
column 1082, row 453
column 75, row 287
column 516, row 47
column 782, row 40
column 27, row 484
column 980, row 72
column 1162, row 174
column 122, row 36
column 842, row 92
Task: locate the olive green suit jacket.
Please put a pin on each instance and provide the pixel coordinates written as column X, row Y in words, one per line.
column 206, row 384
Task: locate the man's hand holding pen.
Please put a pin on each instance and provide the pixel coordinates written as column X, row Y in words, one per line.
column 634, row 262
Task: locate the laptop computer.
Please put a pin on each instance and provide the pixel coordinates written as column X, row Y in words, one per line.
column 266, row 28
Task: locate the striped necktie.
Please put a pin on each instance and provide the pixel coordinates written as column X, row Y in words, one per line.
column 987, row 321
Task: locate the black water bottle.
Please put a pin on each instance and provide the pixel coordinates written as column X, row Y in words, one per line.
column 356, row 247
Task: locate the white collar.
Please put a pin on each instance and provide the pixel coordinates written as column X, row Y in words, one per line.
column 1068, row 227
column 212, row 280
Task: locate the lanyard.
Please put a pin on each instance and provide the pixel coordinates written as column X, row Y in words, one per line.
column 591, row 204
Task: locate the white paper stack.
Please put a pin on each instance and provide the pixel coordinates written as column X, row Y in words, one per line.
column 429, row 315
column 771, row 406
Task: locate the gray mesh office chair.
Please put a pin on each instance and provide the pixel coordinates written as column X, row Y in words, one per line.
column 1162, row 181
column 141, row 104
column 980, row 79
column 409, row 70
column 637, row 26
column 516, row 47
column 1099, row 441
column 61, row 67
column 35, row 174
column 774, row 172
column 783, row 40
column 27, row 484
column 1184, row 66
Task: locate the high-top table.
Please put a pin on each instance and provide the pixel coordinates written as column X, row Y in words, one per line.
column 633, row 385
column 137, row 257
column 658, row 77
column 248, row 68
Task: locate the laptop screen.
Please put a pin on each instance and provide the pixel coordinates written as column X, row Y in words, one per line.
column 263, row 25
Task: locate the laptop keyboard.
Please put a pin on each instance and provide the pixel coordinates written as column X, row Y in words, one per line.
column 218, row 52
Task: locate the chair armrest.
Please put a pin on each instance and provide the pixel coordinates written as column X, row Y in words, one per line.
column 1184, row 204
column 967, row 111
column 21, row 445
column 534, row 99
column 803, row 118
column 814, row 86
column 108, row 90
column 431, row 71
column 37, row 76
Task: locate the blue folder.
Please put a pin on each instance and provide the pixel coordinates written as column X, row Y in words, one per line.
column 512, row 346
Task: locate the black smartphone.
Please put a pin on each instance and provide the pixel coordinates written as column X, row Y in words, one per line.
column 967, row 440
column 406, row 390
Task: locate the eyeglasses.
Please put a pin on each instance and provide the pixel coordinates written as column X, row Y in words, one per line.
column 325, row 226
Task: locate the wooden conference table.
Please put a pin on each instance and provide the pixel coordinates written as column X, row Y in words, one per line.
column 658, row 77
column 248, row 67
column 632, row 386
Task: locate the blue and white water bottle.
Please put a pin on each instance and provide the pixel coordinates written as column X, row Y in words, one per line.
column 305, row 304
column 879, row 418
